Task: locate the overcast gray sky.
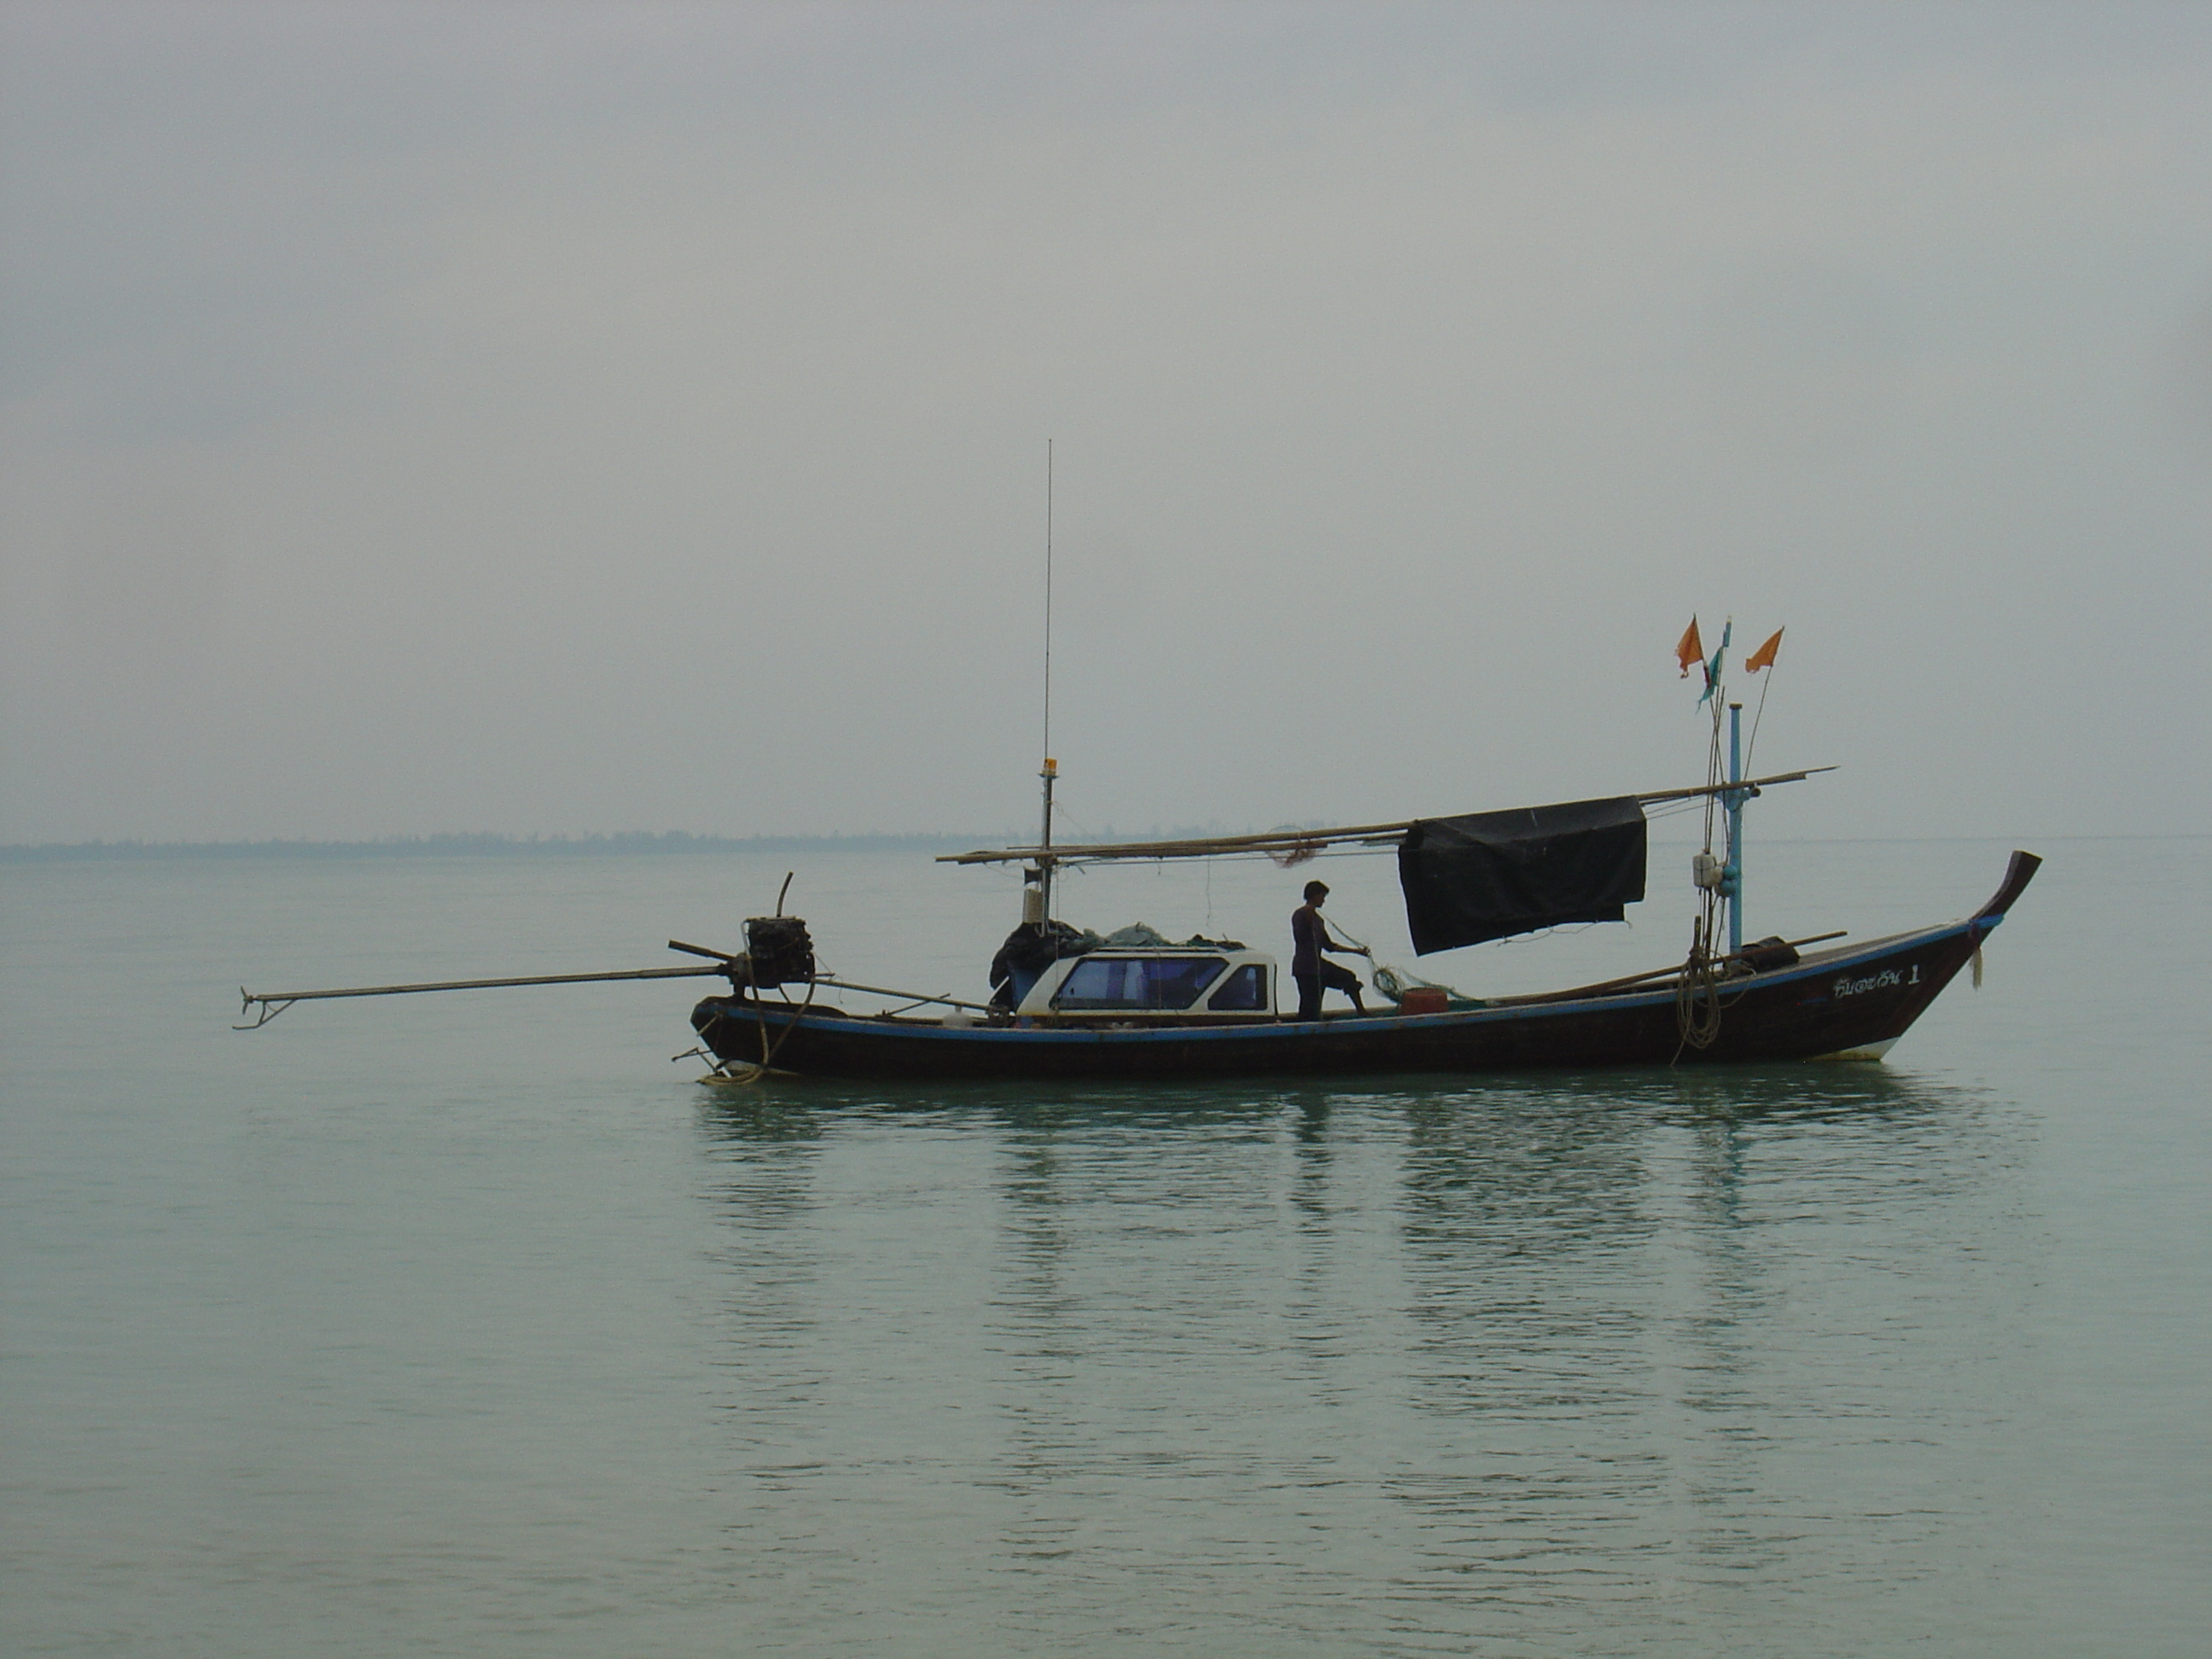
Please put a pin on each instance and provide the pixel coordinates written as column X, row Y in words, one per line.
column 557, row 419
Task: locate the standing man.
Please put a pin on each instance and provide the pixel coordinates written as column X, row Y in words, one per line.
column 1309, row 938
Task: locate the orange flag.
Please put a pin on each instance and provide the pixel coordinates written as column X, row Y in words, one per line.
column 1691, row 651
column 1764, row 657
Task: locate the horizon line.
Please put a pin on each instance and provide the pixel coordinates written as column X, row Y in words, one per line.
column 490, row 843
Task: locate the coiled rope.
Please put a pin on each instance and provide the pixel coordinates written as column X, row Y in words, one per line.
column 1698, row 996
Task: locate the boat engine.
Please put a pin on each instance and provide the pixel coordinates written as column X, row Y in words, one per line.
column 779, row 951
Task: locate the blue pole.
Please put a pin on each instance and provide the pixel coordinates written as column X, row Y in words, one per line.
column 1732, row 882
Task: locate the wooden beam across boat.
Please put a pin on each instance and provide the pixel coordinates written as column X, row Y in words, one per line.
column 1294, row 841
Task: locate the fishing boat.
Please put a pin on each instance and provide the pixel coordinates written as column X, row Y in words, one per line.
column 1134, row 1007
column 1072, row 1005
column 1135, row 1012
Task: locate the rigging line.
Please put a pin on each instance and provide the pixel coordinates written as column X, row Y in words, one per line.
column 1060, row 810
column 1758, row 715
column 1713, row 767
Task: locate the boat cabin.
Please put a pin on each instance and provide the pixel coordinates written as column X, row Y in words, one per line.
column 1175, row 984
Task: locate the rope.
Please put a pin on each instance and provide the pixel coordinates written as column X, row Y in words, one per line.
column 1758, row 715
column 750, row 1072
column 1698, row 999
column 1697, row 994
column 1391, row 983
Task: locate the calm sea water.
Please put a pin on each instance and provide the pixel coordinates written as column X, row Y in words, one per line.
column 470, row 1324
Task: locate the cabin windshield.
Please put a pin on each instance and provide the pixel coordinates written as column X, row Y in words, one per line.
column 1154, row 983
column 1244, row 992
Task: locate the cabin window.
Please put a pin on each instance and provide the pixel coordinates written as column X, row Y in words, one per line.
column 1138, row 983
column 1244, row 992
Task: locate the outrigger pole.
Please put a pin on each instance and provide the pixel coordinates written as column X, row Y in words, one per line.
column 276, row 1002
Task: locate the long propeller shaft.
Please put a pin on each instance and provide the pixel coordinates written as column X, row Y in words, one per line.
column 274, row 1002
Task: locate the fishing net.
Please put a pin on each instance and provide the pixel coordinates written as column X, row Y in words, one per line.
column 1136, row 936
column 1392, row 984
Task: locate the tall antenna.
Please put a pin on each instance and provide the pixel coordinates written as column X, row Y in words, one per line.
column 1047, row 601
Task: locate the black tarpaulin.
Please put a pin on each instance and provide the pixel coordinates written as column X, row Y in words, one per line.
column 1489, row 874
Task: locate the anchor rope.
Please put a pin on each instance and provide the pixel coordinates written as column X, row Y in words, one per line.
column 752, row 1073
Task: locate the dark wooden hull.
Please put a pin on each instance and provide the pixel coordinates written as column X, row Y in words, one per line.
column 1839, row 1002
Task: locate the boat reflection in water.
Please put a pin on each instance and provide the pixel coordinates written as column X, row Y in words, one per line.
column 1587, row 1340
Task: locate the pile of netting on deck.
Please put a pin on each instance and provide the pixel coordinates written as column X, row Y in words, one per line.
column 1138, row 937
column 1391, row 984
column 1031, row 949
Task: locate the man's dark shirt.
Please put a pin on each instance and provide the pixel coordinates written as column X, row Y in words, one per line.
column 1309, row 938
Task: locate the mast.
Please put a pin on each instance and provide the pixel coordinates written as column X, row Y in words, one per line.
column 1036, row 887
column 1037, row 880
column 1733, row 800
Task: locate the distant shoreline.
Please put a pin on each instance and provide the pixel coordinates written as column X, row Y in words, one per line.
column 486, row 846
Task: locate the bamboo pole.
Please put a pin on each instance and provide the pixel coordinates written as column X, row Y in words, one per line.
column 902, row 996
column 1604, row 985
column 274, row 1002
column 1275, row 841
column 485, row 984
column 249, row 998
